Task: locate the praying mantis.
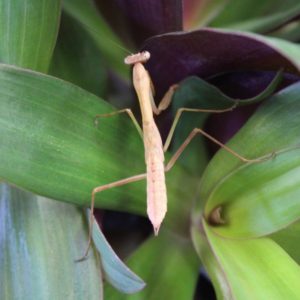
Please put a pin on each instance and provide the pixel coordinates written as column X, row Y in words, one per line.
column 154, row 147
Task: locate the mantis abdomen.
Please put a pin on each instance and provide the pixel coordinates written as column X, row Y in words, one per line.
column 156, row 186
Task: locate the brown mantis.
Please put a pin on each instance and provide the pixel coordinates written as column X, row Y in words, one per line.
column 154, row 148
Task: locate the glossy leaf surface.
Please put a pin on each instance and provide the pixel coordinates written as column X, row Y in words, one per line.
column 288, row 239
column 63, row 151
column 267, row 15
column 248, row 268
column 40, row 241
column 77, row 58
column 270, row 187
column 169, row 266
column 115, row 271
column 210, row 52
column 85, row 12
column 23, row 28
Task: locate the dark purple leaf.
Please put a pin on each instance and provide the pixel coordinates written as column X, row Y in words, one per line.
column 239, row 85
column 224, row 126
column 242, row 85
column 210, row 52
column 137, row 20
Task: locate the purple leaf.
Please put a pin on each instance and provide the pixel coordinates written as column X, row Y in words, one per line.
column 138, row 19
column 210, row 52
column 242, row 85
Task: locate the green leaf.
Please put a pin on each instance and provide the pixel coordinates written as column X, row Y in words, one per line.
column 288, row 49
column 195, row 92
column 229, row 183
column 115, row 271
column 37, row 256
column 254, row 269
column 288, row 239
column 261, row 199
column 209, row 260
column 182, row 188
column 268, row 130
column 289, row 32
column 77, row 59
column 200, row 13
column 61, row 154
column 40, row 240
column 28, row 31
column 86, row 13
column 169, row 266
column 267, row 15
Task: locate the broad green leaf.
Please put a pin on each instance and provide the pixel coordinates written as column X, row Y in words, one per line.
column 182, row 188
column 289, row 32
column 37, row 257
column 28, row 31
column 115, row 271
column 201, row 13
column 268, row 131
column 169, row 266
column 267, row 15
column 40, row 241
column 86, row 13
column 288, row 239
column 211, row 263
column 51, row 146
column 77, row 59
column 261, row 199
column 256, row 268
column 289, row 50
column 63, row 155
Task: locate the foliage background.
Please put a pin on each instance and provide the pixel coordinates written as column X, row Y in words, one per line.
column 50, row 147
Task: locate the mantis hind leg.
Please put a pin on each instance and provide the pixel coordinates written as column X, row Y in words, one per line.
column 199, row 110
column 197, row 131
column 98, row 190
